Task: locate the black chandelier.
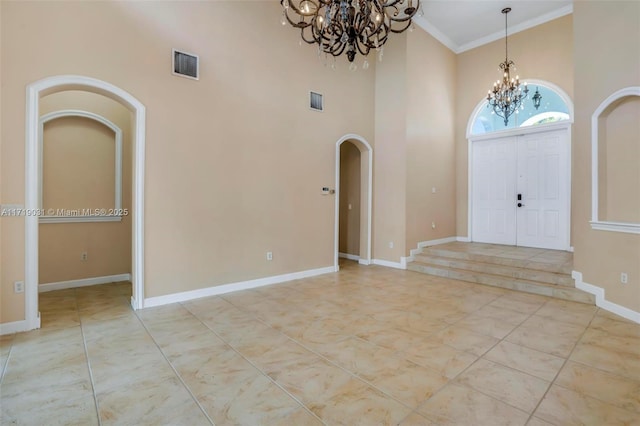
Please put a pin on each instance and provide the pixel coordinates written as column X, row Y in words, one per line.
column 351, row 26
column 507, row 94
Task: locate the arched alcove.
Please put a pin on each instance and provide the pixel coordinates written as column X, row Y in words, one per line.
column 117, row 202
column 615, row 149
column 56, row 84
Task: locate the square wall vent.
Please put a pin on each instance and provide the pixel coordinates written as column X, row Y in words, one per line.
column 315, row 101
column 186, row 64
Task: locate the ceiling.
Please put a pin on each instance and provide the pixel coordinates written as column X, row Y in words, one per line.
column 463, row 25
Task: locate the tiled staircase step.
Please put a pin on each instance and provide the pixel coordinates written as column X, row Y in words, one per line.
column 527, row 286
column 499, row 260
column 525, row 273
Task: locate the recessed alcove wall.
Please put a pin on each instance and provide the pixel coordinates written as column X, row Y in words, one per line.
column 615, row 168
column 619, row 161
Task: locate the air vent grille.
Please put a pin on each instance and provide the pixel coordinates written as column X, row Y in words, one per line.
column 185, row 64
column 315, row 101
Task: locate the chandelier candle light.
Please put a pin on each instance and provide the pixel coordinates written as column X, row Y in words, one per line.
column 351, row 26
column 507, row 94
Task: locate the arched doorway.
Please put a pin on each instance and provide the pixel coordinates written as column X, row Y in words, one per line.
column 32, row 182
column 366, row 191
column 520, row 173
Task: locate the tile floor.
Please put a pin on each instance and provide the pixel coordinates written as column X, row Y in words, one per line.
column 366, row 346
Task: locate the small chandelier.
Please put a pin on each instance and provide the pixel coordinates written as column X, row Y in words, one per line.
column 351, row 26
column 507, row 95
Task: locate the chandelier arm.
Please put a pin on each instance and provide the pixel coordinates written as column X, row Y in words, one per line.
column 351, row 26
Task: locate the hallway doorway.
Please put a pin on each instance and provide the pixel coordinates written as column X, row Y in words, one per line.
column 353, row 202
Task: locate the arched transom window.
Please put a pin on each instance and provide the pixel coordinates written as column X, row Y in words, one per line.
column 552, row 108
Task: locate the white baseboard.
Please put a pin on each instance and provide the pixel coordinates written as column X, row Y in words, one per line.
column 228, row 288
column 83, row 282
column 602, row 302
column 423, row 244
column 463, row 239
column 19, row 326
column 389, row 264
column 349, row 256
column 364, row 262
column 13, row 327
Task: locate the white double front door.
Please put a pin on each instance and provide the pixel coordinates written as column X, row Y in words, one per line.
column 520, row 190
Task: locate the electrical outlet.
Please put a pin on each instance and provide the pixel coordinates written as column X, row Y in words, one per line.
column 269, row 255
column 390, row 244
column 84, row 256
column 433, row 190
column 18, row 286
column 624, row 278
column 433, row 225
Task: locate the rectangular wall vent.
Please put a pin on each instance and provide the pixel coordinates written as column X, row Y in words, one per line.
column 186, row 64
column 315, row 101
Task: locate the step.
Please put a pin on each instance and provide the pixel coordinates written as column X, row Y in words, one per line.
column 510, row 283
column 499, row 260
column 526, row 273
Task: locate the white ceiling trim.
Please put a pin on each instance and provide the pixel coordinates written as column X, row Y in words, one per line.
column 442, row 38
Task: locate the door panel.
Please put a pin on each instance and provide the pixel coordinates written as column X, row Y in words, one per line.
column 494, row 171
column 542, row 180
column 535, row 166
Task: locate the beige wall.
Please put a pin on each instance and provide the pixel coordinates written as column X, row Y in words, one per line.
column 430, row 149
column 389, row 155
column 619, row 162
column 235, row 161
column 607, row 58
column 349, row 231
column 78, row 169
column 544, row 52
column 108, row 244
column 415, row 106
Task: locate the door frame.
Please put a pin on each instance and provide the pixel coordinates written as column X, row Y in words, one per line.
column 366, row 172
column 567, row 124
column 56, row 84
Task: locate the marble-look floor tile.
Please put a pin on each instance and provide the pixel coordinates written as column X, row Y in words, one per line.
column 460, row 405
column 247, row 400
column 46, row 391
column 565, row 407
column 355, row 403
column 501, row 314
column 570, row 312
column 487, row 326
column 161, row 400
column 608, row 353
column 79, row 411
column 520, row 302
column 311, row 383
column 441, row 358
column 466, row 340
column 409, row 383
column 416, row 419
column 534, row 421
column 548, row 336
column 615, row 390
column 364, row 346
column 536, row 363
column 615, row 326
column 513, row 387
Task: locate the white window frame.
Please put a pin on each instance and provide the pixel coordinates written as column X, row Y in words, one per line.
column 118, row 169
column 596, row 223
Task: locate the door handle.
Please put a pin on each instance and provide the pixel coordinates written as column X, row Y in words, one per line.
column 520, row 205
